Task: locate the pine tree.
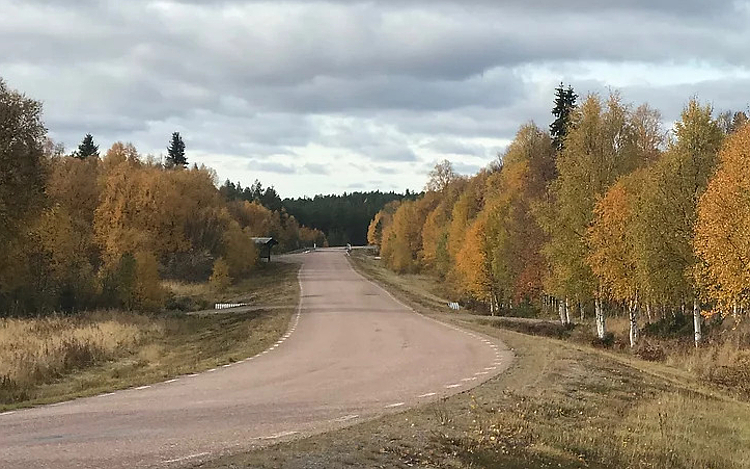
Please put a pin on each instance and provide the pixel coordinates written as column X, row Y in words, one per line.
column 87, row 148
column 176, row 151
column 565, row 102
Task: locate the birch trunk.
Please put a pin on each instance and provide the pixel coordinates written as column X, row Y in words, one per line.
column 567, row 312
column 697, row 321
column 582, row 311
column 599, row 311
column 561, row 312
column 634, row 321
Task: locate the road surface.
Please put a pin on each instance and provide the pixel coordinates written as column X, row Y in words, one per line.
column 351, row 352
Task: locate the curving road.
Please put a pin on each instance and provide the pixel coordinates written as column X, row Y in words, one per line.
column 351, row 352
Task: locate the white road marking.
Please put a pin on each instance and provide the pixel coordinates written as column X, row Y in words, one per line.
column 170, row 381
column 451, row 386
column 107, row 394
column 279, row 435
column 491, row 368
column 211, row 370
column 346, row 418
column 8, row 413
column 397, row 404
column 185, row 458
column 193, row 375
column 140, row 388
column 429, row 394
column 468, row 379
column 226, row 366
column 481, row 373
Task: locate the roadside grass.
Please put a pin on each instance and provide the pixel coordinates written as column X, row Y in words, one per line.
column 46, row 360
column 562, row 404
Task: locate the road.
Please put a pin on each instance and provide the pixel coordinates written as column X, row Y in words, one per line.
column 352, row 352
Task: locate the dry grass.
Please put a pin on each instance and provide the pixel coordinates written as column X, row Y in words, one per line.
column 40, row 351
column 50, row 359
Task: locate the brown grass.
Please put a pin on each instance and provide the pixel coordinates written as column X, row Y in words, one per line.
column 50, row 359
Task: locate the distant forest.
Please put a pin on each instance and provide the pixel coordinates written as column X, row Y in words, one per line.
column 343, row 218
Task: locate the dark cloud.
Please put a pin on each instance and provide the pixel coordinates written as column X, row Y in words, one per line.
column 391, row 83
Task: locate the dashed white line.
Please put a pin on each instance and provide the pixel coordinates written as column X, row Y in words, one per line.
column 211, row 370
column 397, row 404
column 185, row 458
column 279, row 435
column 468, row 379
column 193, row 375
column 170, row 381
column 489, row 368
column 479, row 373
column 8, row 413
column 227, row 365
column 346, row 418
column 451, row 386
column 428, row 394
column 140, row 388
column 106, row 394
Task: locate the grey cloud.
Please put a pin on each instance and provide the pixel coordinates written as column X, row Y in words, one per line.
column 271, row 167
column 379, row 79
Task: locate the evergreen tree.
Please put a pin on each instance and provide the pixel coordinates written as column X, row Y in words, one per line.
column 565, row 102
column 176, row 151
column 87, row 148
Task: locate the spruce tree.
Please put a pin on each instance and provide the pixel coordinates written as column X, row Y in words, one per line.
column 87, row 148
column 176, row 151
column 565, row 102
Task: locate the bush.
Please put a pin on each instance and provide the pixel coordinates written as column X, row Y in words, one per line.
column 220, row 278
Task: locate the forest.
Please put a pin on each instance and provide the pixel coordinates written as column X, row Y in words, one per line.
column 607, row 213
column 342, row 218
column 87, row 230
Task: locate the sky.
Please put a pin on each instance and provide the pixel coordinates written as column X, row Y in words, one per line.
column 325, row 97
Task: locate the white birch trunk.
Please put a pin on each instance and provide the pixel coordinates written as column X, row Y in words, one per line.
column 648, row 311
column 567, row 312
column 561, row 311
column 600, row 326
column 582, row 310
column 697, row 321
column 634, row 321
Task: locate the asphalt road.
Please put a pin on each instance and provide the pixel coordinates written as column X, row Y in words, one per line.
column 351, row 352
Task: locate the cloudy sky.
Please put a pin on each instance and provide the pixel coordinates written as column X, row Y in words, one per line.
column 325, row 97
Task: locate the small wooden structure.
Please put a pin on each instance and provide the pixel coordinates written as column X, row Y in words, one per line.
column 264, row 247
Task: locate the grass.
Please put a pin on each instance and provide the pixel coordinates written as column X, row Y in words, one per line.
column 562, row 404
column 51, row 359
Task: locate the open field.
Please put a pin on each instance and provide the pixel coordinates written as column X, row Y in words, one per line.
column 562, row 404
column 58, row 358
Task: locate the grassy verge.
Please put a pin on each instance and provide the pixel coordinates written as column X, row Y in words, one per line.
column 560, row 405
column 52, row 359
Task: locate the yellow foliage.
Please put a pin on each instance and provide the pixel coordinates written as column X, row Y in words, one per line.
column 220, row 278
column 722, row 238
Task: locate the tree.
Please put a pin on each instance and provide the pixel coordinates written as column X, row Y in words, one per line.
column 601, row 146
column 613, row 241
column 220, row 278
column 669, row 208
column 441, row 176
column 22, row 136
column 176, row 152
column 565, row 103
column 722, row 238
column 87, row 148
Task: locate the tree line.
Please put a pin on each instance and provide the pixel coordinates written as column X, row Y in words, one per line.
column 87, row 230
column 605, row 212
column 343, row 218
